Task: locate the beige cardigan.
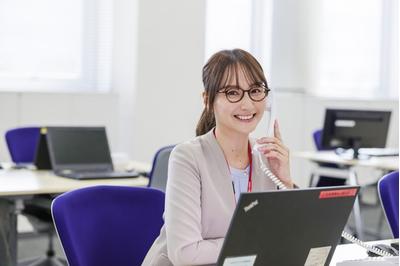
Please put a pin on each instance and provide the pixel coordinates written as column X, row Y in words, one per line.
column 199, row 204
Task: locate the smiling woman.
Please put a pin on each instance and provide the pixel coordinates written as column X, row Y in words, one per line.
column 55, row 45
column 227, row 72
column 207, row 174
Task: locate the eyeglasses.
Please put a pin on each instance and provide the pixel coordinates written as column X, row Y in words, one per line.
column 257, row 92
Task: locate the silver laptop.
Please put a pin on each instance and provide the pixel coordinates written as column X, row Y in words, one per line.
column 288, row 227
column 82, row 153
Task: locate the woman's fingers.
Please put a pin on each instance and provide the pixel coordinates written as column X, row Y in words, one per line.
column 274, row 147
column 275, row 155
column 269, row 140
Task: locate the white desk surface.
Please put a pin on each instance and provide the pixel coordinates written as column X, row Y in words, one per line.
column 384, row 163
column 19, row 182
column 353, row 251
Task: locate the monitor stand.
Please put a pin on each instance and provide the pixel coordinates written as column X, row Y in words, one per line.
column 352, row 153
column 355, row 144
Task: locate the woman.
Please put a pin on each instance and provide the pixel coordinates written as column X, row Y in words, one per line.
column 207, row 174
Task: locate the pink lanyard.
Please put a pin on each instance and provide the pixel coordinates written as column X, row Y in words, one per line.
column 250, row 183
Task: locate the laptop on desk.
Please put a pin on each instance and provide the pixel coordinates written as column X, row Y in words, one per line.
column 287, row 227
column 81, row 153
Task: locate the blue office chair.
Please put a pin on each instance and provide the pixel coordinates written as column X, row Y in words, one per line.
column 159, row 171
column 317, row 136
column 22, row 144
column 325, row 181
column 108, row 225
column 388, row 189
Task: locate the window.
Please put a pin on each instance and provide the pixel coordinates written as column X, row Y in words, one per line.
column 356, row 52
column 331, row 48
column 55, row 45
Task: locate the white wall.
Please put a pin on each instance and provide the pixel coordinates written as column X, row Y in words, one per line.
column 170, row 59
column 124, row 70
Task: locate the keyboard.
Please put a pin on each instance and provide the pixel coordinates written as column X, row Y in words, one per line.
column 98, row 175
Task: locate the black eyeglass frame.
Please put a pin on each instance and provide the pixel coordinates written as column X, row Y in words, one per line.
column 262, row 85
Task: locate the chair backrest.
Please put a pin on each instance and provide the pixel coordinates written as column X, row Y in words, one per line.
column 159, row 171
column 325, row 180
column 22, row 143
column 388, row 188
column 108, row 225
column 317, row 136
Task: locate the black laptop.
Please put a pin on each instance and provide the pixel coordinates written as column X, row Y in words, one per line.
column 287, row 227
column 81, row 153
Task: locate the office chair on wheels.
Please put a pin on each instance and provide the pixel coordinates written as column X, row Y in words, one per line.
column 159, row 171
column 325, row 181
column 388, row 189
column 22, row 143
column 108, row 225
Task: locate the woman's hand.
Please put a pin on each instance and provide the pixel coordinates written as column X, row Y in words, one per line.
column 277, row 155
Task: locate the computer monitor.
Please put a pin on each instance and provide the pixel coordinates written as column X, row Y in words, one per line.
column 354, row 129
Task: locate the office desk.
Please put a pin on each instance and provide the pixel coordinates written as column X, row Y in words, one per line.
column 18, row 185
column 348, row 252
column 354, row 252
column 389, row 163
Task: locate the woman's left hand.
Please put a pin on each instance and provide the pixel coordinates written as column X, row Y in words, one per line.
column 277, row 155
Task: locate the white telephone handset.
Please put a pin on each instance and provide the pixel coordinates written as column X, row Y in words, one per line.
column 271, row 108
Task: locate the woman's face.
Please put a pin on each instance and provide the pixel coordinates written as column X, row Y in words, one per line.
column 241, row 117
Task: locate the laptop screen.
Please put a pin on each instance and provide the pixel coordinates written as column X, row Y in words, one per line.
column 78, row 148
column 287, row 227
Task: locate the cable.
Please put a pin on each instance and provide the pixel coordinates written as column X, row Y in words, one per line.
column 357, row 241
column 270, row 174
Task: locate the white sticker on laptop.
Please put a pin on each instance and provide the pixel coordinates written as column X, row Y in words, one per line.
column 317, row 256
column 242, row 261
